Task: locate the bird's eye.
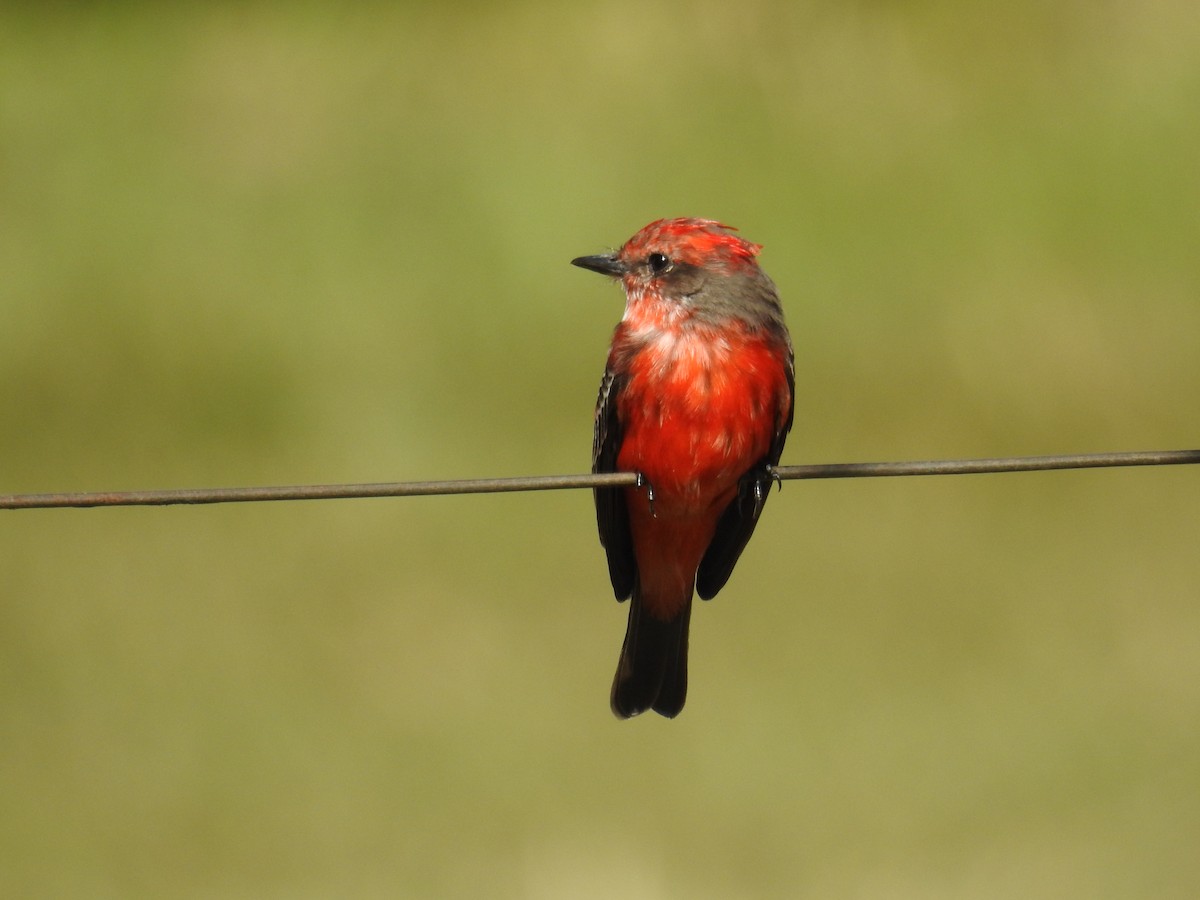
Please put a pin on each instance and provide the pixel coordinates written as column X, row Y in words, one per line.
column 659, row 263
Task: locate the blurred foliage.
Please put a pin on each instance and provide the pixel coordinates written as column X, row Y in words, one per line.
column 272, row 243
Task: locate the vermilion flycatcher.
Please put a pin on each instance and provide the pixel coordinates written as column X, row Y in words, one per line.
column 697, row 399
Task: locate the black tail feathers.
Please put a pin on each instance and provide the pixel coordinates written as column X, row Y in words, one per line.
column 652, row 673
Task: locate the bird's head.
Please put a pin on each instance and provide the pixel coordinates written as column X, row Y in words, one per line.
column 699, row 263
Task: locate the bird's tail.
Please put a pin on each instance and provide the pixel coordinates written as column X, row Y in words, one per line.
column 652, row 673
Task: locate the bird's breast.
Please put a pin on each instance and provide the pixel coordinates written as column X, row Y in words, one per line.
column 699, row 408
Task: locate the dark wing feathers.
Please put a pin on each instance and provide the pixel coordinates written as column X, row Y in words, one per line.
column 611, row 515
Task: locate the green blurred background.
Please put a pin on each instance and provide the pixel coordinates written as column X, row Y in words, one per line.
column 288, row 243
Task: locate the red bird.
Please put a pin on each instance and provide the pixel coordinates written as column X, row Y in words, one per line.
column 697, row 399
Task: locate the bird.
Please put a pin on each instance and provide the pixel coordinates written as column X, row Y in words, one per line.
column 697, row 398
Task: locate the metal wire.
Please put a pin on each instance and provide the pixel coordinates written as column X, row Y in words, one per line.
column 1002, row 464
column 565, row 482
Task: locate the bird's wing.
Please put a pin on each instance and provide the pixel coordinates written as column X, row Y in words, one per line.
column 736, row 524
column 611, row 514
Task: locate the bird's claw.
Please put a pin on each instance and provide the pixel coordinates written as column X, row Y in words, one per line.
column 643, row 482
column 760, row 495
column 773, row 474
column 761, row 487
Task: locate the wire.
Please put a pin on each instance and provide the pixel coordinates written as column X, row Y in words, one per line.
column 565, row 482
column 1003, row 464
column 315, row 491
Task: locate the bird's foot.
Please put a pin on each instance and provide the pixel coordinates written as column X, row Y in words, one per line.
column 773, row 475
column 643, row 482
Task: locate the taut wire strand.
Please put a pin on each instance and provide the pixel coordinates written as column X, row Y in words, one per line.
column 193, row 496
column 1002, row 464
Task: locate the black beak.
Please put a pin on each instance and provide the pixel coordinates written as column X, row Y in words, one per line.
column 605, row 265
